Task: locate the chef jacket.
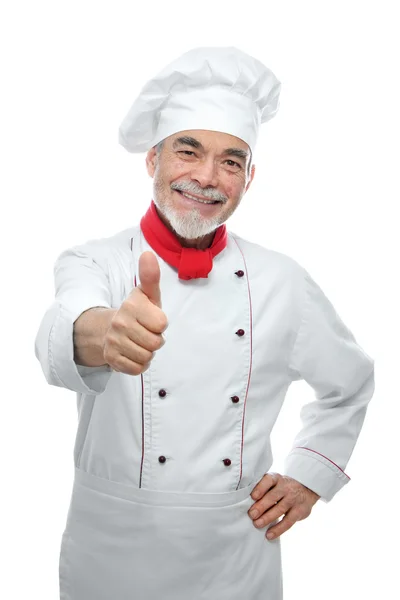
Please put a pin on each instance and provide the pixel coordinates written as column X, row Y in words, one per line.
column 197, row 423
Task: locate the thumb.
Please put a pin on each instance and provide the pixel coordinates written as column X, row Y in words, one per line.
column 149, row 275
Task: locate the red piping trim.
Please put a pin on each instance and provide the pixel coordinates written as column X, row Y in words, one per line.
column 251, row 363
column 331, row 461
column 141, row 378
column 141, row 463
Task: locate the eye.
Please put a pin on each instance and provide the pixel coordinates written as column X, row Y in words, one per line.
column 232, row 163
column 187, row 152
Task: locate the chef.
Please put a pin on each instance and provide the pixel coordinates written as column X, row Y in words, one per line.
column 181, row 339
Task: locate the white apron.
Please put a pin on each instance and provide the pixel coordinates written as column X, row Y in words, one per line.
column 127, row 543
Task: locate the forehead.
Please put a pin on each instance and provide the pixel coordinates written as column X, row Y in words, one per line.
column 215, row 140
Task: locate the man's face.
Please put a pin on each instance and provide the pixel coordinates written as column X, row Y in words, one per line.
column 207, row 165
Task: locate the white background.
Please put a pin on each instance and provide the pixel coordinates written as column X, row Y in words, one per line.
column 326, row 193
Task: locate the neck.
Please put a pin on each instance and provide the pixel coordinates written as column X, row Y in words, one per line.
column 199, row 243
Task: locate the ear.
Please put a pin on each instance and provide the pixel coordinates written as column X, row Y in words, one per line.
column 151, row 161
column 252, row 172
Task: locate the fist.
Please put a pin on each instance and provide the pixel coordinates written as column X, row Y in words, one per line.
column 135, row 333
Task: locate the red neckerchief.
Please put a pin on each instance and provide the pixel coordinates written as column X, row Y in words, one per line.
column 190, row 262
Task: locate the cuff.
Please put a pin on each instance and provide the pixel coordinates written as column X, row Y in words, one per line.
column 316, row 472
column 86, row 380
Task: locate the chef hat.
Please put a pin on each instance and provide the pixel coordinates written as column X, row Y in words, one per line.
column 219, row 89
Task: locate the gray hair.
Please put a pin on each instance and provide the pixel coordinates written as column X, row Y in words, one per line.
column 160, row 145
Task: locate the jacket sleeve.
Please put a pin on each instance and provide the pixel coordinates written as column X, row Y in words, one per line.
column 81, row 282
column 326, row 355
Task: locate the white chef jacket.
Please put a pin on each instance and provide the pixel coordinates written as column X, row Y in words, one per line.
column 197, row 423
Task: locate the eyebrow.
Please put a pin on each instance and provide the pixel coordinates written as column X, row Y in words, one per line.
column 190, row 141
column 238, row 152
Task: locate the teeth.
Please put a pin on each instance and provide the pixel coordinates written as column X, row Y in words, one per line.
column 197, row 199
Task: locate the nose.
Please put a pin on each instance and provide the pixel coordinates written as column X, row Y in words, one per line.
column 205, row 173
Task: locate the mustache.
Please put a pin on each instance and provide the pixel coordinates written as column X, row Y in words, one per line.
column 191, row 188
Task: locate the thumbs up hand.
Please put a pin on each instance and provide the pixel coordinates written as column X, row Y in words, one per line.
column 135, row 333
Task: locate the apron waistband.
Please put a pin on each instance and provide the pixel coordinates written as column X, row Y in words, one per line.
column 161, row 498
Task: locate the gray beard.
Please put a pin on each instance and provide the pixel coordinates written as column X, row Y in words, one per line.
column 190, row 226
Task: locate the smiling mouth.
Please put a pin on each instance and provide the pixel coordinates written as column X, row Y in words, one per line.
column 190, row 197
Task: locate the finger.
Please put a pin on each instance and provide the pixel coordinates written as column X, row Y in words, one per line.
column 117, row 349
column 266, row 483
column 268, row 501
column 129, row 367
column 150, row 316
column 284, row 525
column 277, row 511
column 149, row 275
column 142, row 337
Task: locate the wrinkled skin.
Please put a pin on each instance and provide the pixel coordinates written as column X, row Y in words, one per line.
column 281, row 495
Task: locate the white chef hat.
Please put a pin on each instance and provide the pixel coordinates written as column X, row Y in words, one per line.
column 219, row 89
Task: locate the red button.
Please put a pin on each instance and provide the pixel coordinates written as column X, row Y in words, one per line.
column 161, row 459
column 235, row 399
column 162, row 393
column 240, row 332
column 239, row 273
column 227, row 462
